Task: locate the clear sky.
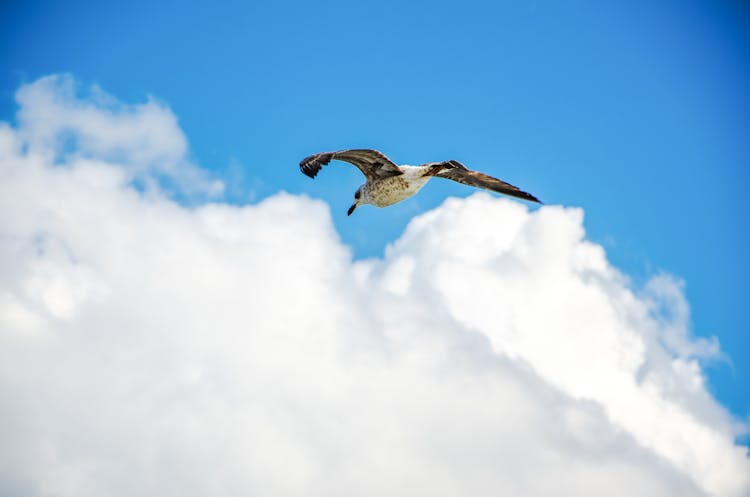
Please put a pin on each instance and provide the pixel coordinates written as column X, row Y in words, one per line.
column 638, row 112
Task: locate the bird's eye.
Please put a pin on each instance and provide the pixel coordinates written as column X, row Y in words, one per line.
column 357, row 194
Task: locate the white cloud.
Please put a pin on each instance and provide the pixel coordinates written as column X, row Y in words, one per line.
column 147, row 348
column 56, row 122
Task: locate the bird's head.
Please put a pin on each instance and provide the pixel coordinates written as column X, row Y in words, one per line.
column 357, row 198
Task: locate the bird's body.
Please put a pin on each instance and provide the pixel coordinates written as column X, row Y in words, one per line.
column 393, row 189
column 388, row 183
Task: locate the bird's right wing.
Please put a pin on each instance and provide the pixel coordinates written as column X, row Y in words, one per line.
column 372, row 163
column 458, row 172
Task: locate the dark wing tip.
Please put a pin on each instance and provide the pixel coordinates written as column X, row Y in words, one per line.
column 531, row 198
column 311, row 165
column 518, row 193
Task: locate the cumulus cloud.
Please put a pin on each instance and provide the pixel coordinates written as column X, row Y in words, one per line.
column 57, row 121
column 148, row 348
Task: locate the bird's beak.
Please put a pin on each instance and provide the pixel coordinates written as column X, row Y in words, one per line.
column 351, row 209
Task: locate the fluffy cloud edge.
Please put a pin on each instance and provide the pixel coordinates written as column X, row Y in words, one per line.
column 66, row 121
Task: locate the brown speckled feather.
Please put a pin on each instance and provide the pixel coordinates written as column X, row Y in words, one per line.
column 373, row 164
column 456, row 171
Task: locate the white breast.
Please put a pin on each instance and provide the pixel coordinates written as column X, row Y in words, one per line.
column 388, row 191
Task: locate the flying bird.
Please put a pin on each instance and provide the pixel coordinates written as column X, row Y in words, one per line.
column 388, row 183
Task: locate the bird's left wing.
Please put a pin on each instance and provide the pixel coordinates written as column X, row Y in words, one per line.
column 456, row 171
column 372, row 163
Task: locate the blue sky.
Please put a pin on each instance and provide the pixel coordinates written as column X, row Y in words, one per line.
column 638, row 113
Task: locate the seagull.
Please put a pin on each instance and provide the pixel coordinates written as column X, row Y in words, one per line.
column 388, row 183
